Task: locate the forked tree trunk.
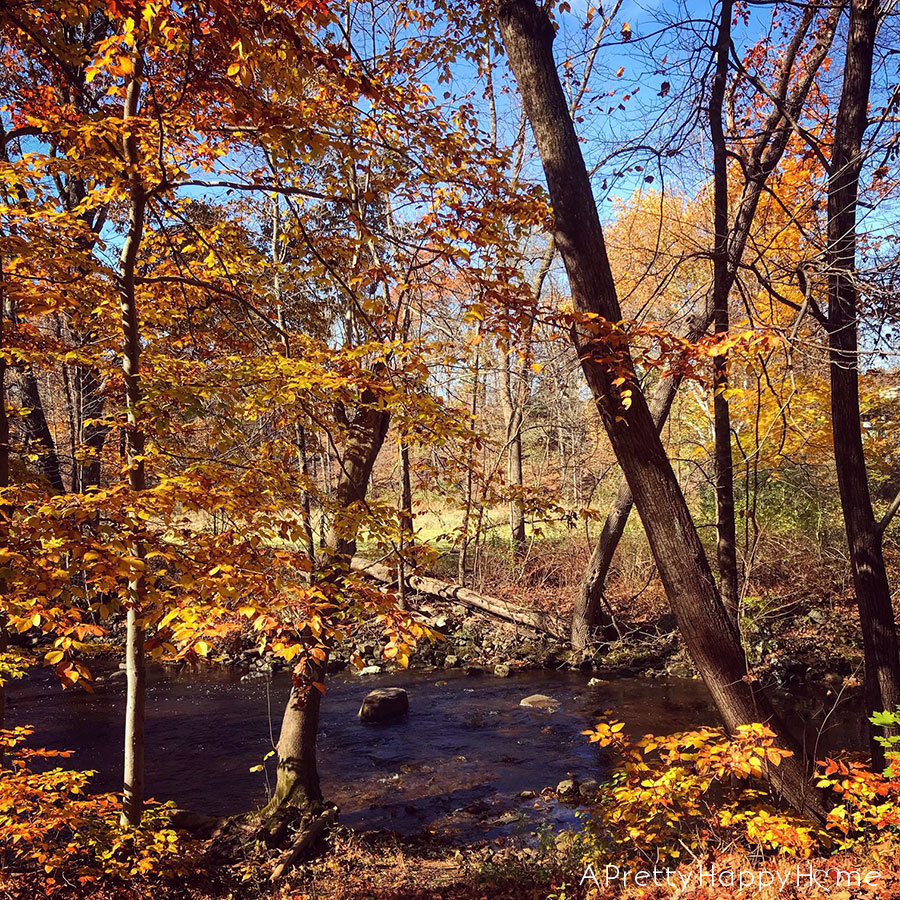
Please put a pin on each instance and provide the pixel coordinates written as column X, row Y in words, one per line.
column 708, row 631
column 297, row 782
column 864, row 533
column 791, row 92
column 133, row 801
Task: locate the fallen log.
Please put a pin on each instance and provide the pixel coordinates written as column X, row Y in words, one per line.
column 547, row 623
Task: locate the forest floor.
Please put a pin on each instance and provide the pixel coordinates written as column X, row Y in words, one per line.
column 383, row 866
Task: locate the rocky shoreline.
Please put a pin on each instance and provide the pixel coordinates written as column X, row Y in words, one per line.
column 481, row 644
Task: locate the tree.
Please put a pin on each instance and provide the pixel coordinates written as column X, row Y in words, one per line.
column 133, row 800
column 767, row 140
column 709, row 632
column 864, row 531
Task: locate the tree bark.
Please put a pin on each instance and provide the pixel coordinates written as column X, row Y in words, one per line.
column 4, row 483
column 512, row 420
column 724, row 466
column 708, row 631
column 39, row 431
column 864, row 535
column 462, row 560
column 590, row 616
column 406, row 519
column 297, row 782
column 133, row 802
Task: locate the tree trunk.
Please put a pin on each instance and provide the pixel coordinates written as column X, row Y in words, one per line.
column 4, row 483
column 724, row 466
column 546, row 623
column 516, row 480
column 133, row 802
column 708, row 631
column 297, row 782
column 512, row 421
column 406, row 519
column 92, row 434
column 864, row 535
column 462, row 560
column 39, row 431
column 590, row 615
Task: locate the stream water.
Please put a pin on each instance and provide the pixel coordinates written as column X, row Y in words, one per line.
column 466, row 742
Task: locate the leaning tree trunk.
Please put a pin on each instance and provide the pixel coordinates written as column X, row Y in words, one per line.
column 708, row 631
column 791, row 92
column 297, row 782
column 864, row 534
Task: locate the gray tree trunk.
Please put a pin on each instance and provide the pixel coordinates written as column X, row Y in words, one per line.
column 297, row 782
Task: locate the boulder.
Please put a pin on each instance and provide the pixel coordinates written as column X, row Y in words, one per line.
column 587, row 788
column 540, row 701
column 502, row 670
column 384, row 705
column 567, row 790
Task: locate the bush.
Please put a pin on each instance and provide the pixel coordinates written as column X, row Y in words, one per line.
column 684, row 795
column 51, row 824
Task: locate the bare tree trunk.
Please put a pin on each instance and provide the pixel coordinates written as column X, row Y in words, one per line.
column 133, row 802
column 298, row 774
column 724, row 467
column 406, row 519
column 864, row 534
column 790, row 95
column 462, row 560
column 512, row 420
column 708, row 631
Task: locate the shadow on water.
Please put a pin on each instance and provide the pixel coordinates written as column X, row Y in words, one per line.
column 466, row 742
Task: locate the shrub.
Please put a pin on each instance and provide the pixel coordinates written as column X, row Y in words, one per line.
column 51, row 824
column 684, row 795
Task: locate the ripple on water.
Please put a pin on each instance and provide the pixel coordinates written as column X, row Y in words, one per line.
column 466, row 741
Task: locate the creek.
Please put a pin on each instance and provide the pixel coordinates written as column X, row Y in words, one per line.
column 467, row 743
